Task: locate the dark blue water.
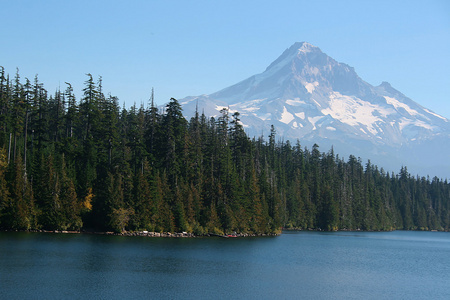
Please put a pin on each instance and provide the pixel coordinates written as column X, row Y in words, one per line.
column 295, row 265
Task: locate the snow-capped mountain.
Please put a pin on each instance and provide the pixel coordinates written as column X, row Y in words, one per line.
column 309, row 96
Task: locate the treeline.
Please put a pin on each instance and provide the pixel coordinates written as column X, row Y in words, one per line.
column 92, row 165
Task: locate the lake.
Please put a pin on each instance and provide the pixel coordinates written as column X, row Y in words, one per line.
column 295, row 265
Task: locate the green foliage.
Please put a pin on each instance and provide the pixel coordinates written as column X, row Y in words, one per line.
column 91, row 165
column 119, row 219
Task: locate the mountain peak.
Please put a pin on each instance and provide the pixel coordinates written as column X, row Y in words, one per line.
column 298, row 49
column 304, row 47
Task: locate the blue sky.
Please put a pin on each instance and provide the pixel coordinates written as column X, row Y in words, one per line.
column 184, row 48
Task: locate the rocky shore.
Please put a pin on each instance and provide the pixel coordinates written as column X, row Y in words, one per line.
column 187, row 234
column 155, row 234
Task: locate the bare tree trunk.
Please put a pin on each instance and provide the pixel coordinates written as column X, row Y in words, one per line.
column 25, row 143
column 9, row 148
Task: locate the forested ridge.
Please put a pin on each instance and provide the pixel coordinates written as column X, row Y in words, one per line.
column 89, row 164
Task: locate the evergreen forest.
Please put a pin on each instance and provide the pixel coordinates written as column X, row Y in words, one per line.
column 86, row 163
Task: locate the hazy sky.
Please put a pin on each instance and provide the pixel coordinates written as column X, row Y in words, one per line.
column 184, row 48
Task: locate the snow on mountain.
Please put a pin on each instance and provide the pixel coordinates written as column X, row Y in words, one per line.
column 309, row 96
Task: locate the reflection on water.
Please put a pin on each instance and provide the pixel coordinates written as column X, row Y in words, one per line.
column 338, row 265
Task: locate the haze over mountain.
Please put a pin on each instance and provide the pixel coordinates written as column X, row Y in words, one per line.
column 309, row 96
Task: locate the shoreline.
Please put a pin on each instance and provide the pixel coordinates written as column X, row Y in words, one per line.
column 148, row 233
column 145, row 233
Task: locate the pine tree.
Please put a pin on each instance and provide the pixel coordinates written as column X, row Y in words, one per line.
column 48, row 191
column 174, row 125
column 5, row 200
column 4, row 107
column 19, row 213
column 143, row 201
column 70, row 203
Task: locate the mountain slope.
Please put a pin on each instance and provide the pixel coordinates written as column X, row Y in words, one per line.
column 309, row 96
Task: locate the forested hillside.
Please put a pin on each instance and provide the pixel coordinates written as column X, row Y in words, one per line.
column 88, row 164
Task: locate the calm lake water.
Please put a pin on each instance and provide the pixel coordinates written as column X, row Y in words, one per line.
column 295, row 265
